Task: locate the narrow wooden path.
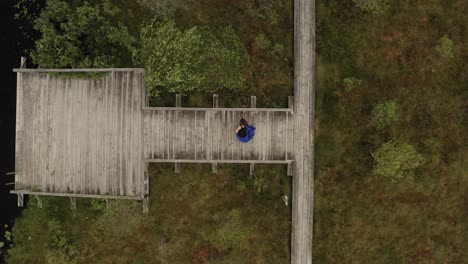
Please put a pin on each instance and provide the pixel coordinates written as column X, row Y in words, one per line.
column 208, row 134
column 304, row 116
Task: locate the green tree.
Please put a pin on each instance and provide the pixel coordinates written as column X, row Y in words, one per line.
column 85, row 34
column 395, row 160
column 384, row 114
column 163, row 9
column 197, row 59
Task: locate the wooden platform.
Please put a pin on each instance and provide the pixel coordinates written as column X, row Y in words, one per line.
column 80, row 136
column 200, row 134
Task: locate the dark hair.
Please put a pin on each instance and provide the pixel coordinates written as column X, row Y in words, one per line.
column 243, row 122
column 242, row 132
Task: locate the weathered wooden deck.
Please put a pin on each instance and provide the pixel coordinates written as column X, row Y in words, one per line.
column 80, row 136
column 208, row 134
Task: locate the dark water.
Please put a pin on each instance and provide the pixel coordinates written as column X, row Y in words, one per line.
column 9, row 59
column 13, row 44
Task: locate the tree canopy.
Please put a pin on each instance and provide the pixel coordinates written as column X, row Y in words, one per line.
column 83, row 34
column 197, row 59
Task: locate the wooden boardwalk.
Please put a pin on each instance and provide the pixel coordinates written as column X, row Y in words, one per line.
column 80, row 136
column 208, row 134
column 304, row 116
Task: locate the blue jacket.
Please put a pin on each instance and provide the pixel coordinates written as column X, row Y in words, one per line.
column 250, row 134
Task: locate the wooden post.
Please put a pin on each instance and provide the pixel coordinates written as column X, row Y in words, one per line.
column 146, row 204
column 39, row 201
column 291, row 101
column 20, row 200
column 253, row 101
column 107, row 203
column 146, row 189
column 178, row 100
column 23, row 63
column 290, row 169
column 214, row 166
column 178, row 104
column 253, row 104
column 72, row 203
column 215, row 101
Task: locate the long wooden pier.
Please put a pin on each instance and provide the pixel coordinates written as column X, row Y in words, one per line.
column 94, row 137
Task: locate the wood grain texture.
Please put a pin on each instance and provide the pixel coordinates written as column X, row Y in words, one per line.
column 209, row 134
column 304, row 114
column 80, row 136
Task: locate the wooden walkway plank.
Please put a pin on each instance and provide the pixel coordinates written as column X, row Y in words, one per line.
column 82, row 136
column 303, row 183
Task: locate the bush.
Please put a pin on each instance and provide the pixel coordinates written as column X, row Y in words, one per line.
column 384, row 114
column 372, row 6
column 445, row 48
column 394, row 160
column 262, row 42
column 197, row 59
column 351, row 83
column 233, row 234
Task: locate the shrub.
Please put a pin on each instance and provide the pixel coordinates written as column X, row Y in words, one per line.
column 394, row 160
column 232, row 234
column 197, row 59
column 445, row 48
column 372, row 6
column 384, row 114
column 351, row 83
column 262, row 42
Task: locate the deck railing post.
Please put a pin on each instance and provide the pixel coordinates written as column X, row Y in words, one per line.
column 252, row 168
column 146, row 188
column 20, row 200
column 253, row 101
column 146, row 204
column 23, row 63
column 291, row 101
column 39, row 201
column 73, row 203
column 253, row 104
column 178, row 104
column 214, row 166
column 290, row 169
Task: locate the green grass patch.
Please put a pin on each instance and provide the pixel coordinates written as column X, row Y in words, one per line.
column 194, row 217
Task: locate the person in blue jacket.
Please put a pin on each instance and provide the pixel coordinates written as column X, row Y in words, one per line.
column 244, row 131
